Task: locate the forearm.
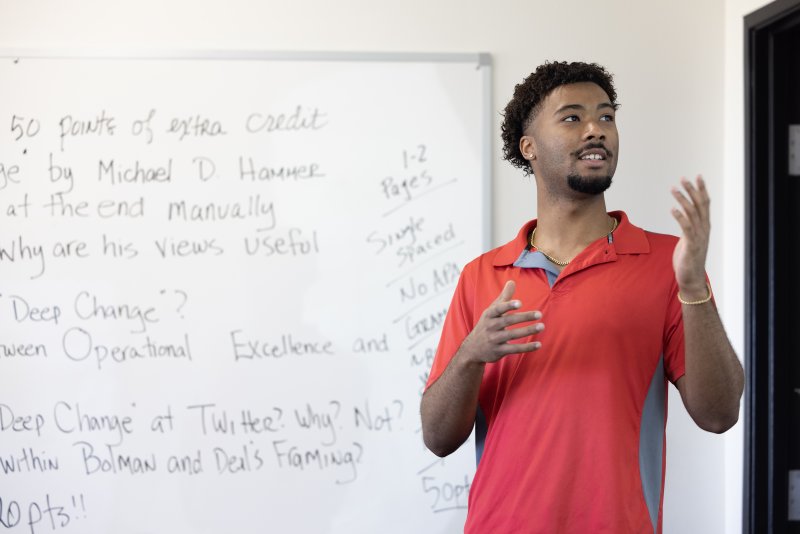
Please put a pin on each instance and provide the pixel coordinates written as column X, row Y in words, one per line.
column 714, row 378
column 449, row 405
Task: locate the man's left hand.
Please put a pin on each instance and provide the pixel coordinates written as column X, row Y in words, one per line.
column 689, row 258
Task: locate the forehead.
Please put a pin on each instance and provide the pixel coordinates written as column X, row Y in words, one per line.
column 586, row 94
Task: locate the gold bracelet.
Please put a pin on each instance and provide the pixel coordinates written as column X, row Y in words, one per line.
column 696, row 302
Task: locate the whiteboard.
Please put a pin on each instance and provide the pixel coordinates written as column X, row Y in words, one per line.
column 222, row 281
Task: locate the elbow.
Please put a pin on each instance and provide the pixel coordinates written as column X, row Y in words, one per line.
column 718, row 426
column 441, row 435
column 718, row 423
column 441, row 439
column 439, row 451
column 716, row 413
column 438, row 446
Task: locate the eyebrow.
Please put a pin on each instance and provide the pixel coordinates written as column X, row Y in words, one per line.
column 579, row 107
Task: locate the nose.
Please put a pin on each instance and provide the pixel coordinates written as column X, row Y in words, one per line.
column 593, row 130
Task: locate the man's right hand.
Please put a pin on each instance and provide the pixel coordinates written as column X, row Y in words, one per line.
column 491, row 338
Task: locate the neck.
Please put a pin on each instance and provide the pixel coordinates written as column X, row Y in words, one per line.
column 572, row 219
column 565, row 227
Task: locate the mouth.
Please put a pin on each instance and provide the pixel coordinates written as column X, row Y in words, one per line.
column 594, row 154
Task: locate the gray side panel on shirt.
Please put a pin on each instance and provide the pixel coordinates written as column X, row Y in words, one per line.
column 480, row 434
column 651, row 442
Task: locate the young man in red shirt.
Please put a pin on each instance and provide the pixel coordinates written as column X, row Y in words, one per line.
column 570, row 419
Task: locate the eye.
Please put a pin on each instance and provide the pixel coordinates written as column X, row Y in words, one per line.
column 607, row 117
column 570, row 118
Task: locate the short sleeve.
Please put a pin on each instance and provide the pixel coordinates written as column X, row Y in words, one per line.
column 457, row 325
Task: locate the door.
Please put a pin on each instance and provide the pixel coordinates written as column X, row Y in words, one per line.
column 772, row 400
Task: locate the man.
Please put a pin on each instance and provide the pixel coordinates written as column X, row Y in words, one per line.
column 570, row 420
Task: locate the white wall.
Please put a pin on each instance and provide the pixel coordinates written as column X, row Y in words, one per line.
column 732, row 308
column 676, row 71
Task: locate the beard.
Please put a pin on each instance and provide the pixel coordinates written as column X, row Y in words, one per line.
column 589, row 186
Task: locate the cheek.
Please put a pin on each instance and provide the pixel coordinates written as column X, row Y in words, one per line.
column 552, row 152
column 612, row 138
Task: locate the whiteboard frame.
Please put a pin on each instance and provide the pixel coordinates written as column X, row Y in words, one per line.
column 482, row 61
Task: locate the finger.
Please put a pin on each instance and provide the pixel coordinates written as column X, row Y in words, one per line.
column 683, row 221
column 507, row 292
column 520, row 348
column 510, row 319
column 688, row 210
column 503, row 303
column 499, row 310
column 704, row 199
column 521, row 332
column 698, row 199
column 701, row 184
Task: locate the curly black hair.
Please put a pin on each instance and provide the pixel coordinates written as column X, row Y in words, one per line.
column 529, row 95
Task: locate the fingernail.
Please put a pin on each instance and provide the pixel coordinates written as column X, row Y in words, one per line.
column 537, row 344
column 537, row 315
column 515, row 304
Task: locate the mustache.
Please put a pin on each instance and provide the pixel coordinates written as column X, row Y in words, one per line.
column 591, row 146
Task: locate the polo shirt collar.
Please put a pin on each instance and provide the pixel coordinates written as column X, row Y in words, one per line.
column 627, row 239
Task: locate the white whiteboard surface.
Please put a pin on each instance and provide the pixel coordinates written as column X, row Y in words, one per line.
column 222, row 280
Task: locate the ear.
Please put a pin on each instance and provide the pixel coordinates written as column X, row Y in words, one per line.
column 527, row 146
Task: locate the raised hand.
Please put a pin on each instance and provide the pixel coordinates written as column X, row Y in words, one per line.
column 689, row 258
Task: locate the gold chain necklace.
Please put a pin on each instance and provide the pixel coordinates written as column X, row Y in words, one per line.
column 562, row 263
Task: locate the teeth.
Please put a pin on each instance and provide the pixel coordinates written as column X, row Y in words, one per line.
column 592, row 156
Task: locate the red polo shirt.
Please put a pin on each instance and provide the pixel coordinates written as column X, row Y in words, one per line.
column 575, row 431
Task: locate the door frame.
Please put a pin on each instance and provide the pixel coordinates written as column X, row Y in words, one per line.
column 765, row 499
